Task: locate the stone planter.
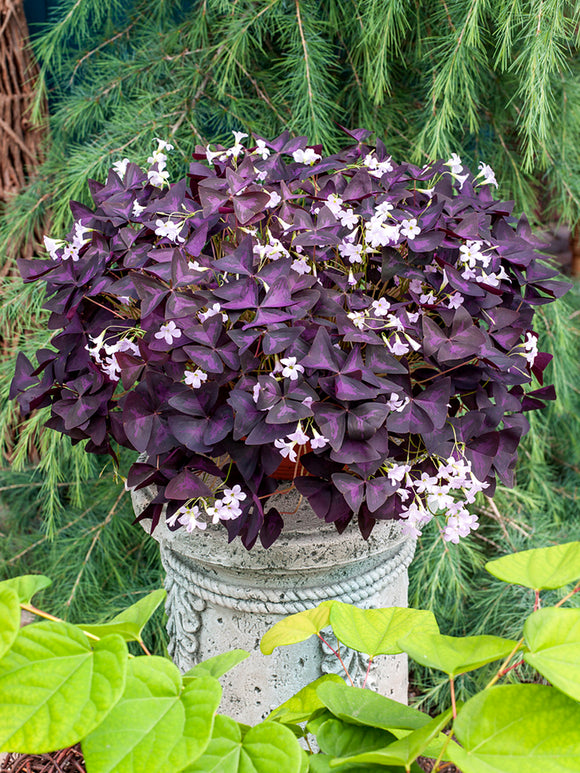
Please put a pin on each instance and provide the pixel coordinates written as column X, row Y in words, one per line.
column 220, row 596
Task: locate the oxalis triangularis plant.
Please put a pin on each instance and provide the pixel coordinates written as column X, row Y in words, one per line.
column 368, row 319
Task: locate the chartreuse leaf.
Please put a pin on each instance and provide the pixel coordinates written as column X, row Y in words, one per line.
column 364, row 707
column 541, row 568
column 216, row 666
column 455, row 655
column 337, row 738
column 553, row 636
column 26, row 586
column 9, row 618
column 376, row 631
column 519, row 728
column 265, row 748
column 322, row 763
column 156, row 719
column 404, row 751
column 296, row 628
column 55, row 688
column 301, row 707
column 130, row 622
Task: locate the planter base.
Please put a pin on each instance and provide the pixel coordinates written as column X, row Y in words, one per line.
column 221, row 596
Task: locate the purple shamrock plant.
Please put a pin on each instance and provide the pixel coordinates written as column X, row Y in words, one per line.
column 373, row 318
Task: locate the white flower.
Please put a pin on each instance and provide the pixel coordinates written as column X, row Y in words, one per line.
column 158, row 157
column 234, row 495
column 291, row 368
column 52, row 246
column 357, row 318
column 396, row 403
column 70, row 252
column 416, row 286
column 381, row 307
column 237, row 147
column 275, row 199
column 298, row 436
column 212, row 312
column 397, row 346
column 397, row 472
column 189, row 517
column 488, row 174
column 377, row 168
column 158, row 178
column 383, row 209
column 425, row 483
column 334, row 204
column 261, row 149
column 211, row 154
column 274, row 250
column 194, row 265
column 428, row 299
column 120, row 167
column 286, row 449
column 261, row 176
column 455, row 164
column 300, row 265
column 318, row 441
column 378, row 234
column 163, row 145
column 455, row 301
column 348, row 219
column 169, row 229
column 308, row 403
column 169, row 331
column 530, row 346
column 256, row 389
column 439, row 498
column 307, row 156
column 409, row 228
column 451, row 532
column 471, row 254
column 137, row 209
column 351, row 251
column 195, row 378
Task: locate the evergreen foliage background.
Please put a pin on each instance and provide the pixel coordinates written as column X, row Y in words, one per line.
column 495, row 81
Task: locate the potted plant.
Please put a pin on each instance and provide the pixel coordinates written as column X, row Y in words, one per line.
column 366, row 321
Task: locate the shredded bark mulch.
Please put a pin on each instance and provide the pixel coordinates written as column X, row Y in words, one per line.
column 64, row 761
column 71, row 761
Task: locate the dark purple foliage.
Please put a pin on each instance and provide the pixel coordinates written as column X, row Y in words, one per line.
column 378, row 314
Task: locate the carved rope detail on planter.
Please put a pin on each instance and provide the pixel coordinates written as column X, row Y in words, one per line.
column 280, row 602
column 184, row 621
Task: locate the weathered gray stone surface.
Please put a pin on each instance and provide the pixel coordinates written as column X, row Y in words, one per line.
column 221, row 596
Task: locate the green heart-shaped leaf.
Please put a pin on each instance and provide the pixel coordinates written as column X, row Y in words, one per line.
column 296, row 628
column 339, row 739
column 55, row 688
column 376, row 631
column 517, row 728
column 455, row 655
column 216, row 666
column 404, row 751
column 364, row 707
column 553, row 636
column 130, row 622
column 541, row 568
column 156, row 719
column 265, row 748
column 9, row 618
column 300, row 707
column 26, row 586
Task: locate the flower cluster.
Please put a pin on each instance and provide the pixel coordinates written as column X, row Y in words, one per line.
column 368, row 321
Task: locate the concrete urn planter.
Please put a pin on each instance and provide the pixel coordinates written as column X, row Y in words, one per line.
column 221, row 596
